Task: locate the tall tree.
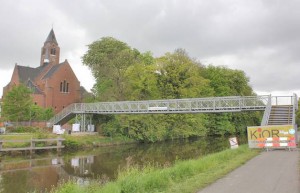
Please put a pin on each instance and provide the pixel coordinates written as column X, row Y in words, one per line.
column 180, row 76
column 17, row 104
column 108, row 59
column 228, row 82
column 142, row 80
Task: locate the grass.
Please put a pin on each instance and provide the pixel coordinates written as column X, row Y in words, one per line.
column 72, row 141
column 183, row 176
column 24, row 136
column 95, row 140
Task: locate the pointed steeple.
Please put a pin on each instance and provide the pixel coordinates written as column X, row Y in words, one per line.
column 50, row 52
column 51, row 37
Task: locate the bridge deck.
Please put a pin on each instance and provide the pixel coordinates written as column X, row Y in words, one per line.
column 190, row 105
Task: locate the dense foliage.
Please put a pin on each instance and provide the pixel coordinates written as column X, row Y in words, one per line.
column 123, row 73
column 18, row 106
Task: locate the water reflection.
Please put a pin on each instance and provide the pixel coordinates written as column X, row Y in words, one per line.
column 21, row 174
column 30, row 174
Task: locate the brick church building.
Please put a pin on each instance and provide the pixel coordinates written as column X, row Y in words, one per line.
column 53, row 84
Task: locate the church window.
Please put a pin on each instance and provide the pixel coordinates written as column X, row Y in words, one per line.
column 64, row 89
column 67, row 87
column 61, row 87
column 64, row 86
column 53, row 51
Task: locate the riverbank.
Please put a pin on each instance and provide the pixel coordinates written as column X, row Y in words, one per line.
column 183, row 176
column 72, row 142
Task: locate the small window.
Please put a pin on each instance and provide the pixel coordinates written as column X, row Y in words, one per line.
column 64, row 87
column 61, row 87
column 67, row 89
column 53, row 51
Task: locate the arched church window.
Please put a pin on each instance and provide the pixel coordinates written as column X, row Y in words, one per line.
column 64, row 86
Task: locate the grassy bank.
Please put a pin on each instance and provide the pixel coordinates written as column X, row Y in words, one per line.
column 72, row 142
column 183, row 176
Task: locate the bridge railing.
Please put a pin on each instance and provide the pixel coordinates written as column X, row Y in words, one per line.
column 189, row 105
column 62, row 114
column 267, row 112
column 175, row 105
column 284, row 100
column 295, row 108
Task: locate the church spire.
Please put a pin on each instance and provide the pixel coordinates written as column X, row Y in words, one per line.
column 51, row 37
column 50, row 51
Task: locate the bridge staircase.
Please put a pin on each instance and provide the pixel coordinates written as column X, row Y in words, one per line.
column 281, row 115
column 281, row 110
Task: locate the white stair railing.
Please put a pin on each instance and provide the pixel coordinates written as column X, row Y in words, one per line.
column 267, row 112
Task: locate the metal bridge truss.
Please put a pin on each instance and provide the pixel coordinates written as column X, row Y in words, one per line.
column 189, row 105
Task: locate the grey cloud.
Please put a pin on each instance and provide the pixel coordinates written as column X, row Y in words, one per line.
column 262, row 36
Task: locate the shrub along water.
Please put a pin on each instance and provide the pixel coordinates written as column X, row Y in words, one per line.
column 183, row 176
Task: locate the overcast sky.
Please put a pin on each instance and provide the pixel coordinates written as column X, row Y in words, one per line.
column 260, row 37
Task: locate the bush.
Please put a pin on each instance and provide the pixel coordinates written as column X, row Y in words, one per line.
column 23, row 129
column 71, row 144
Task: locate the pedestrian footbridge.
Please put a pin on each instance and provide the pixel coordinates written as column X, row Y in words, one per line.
column 266, row 103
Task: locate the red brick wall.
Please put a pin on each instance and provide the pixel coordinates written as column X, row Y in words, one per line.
column 39, row 99
column 57, row 99
column 13, row 82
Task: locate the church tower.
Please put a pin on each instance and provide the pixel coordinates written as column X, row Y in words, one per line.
column 50, row 51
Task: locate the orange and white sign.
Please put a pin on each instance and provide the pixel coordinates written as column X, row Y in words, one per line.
column 261, row 136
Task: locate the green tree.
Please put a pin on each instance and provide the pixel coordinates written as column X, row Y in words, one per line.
column 108, row 59
column 180, row 77
column 38, row 113
column 142, row 79
column 123, row 73
column 228, row 82
column 17, row 104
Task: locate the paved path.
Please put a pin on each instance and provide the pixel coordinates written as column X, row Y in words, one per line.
column 275, row 171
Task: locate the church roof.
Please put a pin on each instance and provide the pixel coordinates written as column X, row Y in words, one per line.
column 34, row 88
column 52, row 71
column 26, row 72
column 51, row 37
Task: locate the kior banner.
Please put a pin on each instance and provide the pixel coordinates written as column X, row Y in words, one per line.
column 258, row 133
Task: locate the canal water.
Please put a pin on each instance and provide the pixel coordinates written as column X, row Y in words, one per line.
column 21, row 173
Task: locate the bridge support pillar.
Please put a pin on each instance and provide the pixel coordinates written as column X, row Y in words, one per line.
column 84, row 120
